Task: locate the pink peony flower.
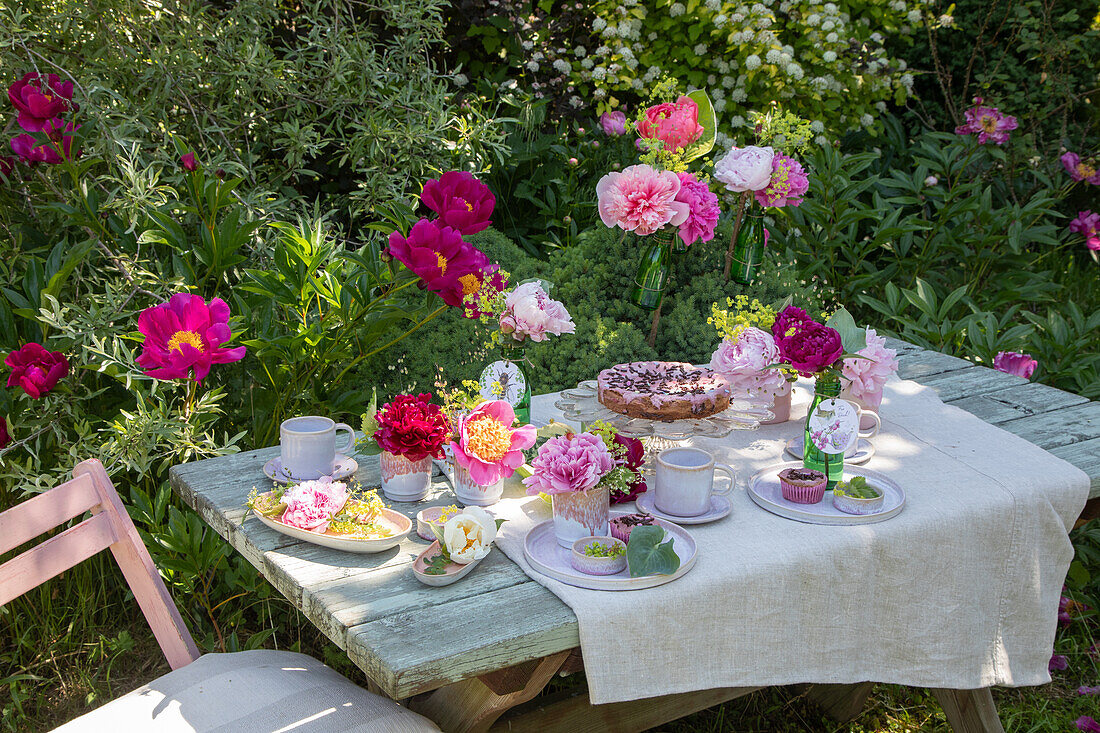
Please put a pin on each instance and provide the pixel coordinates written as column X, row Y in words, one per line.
column 184, row 337
column 187, row 160
column 30, row 152
column 326, row 495
column 987, row 123
column 40, row 98
column 36, row 369
column 1087, row 224
column 1081, row 170
column 788, row 183
column 745, row 169
column 487, row 446
column 743, row 362
column 1012, row 362
column 532, row 314
column 811, row 348
column 866, row 377
column 676, row 124
column 441, row 258
column 569, row 463
column 613, row 123
column 702, row 209
column 462, row 202
column 640, row 199
column 1088, row 724
column 306, row 516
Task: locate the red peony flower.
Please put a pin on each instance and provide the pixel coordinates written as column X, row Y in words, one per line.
column 184, row 337
column 439, row 256
column 39, row 99
column 412, row 427
column 633, row 459
column 36, row 370
column 4, row 437
column 187, row 160
column 462, row 202
column 811, row 348
column 788, row 318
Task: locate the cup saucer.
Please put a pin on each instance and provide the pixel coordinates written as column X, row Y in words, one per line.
column 720, row 506
column 341, row 469
column 865, row 450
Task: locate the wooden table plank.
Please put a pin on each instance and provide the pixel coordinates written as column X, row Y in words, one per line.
column 1063, row 427
column 972, row 380
column 1086, row 456
column 1024, row 400
column 409, row 653
column 917, row 365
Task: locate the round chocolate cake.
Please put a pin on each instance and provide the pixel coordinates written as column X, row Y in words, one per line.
column 662, row 390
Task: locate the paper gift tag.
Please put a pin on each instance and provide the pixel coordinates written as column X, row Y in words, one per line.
column 834, row 425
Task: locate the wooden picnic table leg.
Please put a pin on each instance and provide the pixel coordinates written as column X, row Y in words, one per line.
column 970, row 711
column 842, row 703
column 471, row 706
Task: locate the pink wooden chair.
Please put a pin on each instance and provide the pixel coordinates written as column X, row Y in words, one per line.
column 261, row 690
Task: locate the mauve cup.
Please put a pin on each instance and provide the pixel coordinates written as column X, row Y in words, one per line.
column 685, row 481
column 309, row 446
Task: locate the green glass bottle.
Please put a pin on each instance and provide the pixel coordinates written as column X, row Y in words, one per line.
column 748, row 252
column 517, row 355
column 649, row 283
column 826, row 386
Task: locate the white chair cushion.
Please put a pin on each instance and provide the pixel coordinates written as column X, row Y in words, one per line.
column 262, row 691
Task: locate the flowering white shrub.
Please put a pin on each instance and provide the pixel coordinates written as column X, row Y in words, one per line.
column 825, row 62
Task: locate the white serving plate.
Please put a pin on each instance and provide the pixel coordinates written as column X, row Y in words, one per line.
column 765, row 490
column 401, row 524
column 546, row 556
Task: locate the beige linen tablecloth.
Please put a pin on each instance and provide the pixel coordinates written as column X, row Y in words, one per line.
column 960, row 590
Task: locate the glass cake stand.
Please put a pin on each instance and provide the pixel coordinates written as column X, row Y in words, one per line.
column 580, row 404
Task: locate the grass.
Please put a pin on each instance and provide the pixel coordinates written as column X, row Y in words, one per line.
column 76, row 643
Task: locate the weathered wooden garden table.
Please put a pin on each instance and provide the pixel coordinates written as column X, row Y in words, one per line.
column 468, row 653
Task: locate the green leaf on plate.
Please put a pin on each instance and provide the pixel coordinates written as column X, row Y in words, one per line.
column 648, row 554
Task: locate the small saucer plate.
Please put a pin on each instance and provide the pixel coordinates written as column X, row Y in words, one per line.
column 865, row 450
column 720, row 506
column 341, row 469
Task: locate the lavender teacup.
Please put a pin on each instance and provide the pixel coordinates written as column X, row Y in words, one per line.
column 309, row 446
column 685, row 481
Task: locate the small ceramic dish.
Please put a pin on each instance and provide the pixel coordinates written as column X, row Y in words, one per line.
column 857, row 505
column 425, row 517
column 452, row 571
column 598, row 565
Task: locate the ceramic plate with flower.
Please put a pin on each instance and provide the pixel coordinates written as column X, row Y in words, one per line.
column 326, row 513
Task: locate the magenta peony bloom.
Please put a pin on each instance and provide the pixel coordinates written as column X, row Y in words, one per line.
column 1087, row 224
column 532, row 314
column 187, row 160
column 39, row 99
column 1057, row 663
column 7, row 165
column 640, row 199
column 702, row 209
column 30, row 152
column 745, row 169
column 613, row 123
column 1081, row 170
column 633, row 457
column 462, row 202
column 676, row 124
column 866, row 377
column 744, row 362
column 36, row 370
column 788, row 319
column 487, row 446
column 788, row 183
column 60, row 134
column 569, row 463
column 4, row 437
column 987, row 123
column 811, row 348
column 1088, row 724
column 439, row 256
column 184, row 337
column 1011, row 362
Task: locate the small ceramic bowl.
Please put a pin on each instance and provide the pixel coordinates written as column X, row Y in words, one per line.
column 855, row 505
column 423, row 518
column 597, row 565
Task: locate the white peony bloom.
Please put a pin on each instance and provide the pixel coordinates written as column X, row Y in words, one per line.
column 876, row 37
column 469, row 535
column 676, row 9
column 931, row 181
column 745, row 169
column 907, row 81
